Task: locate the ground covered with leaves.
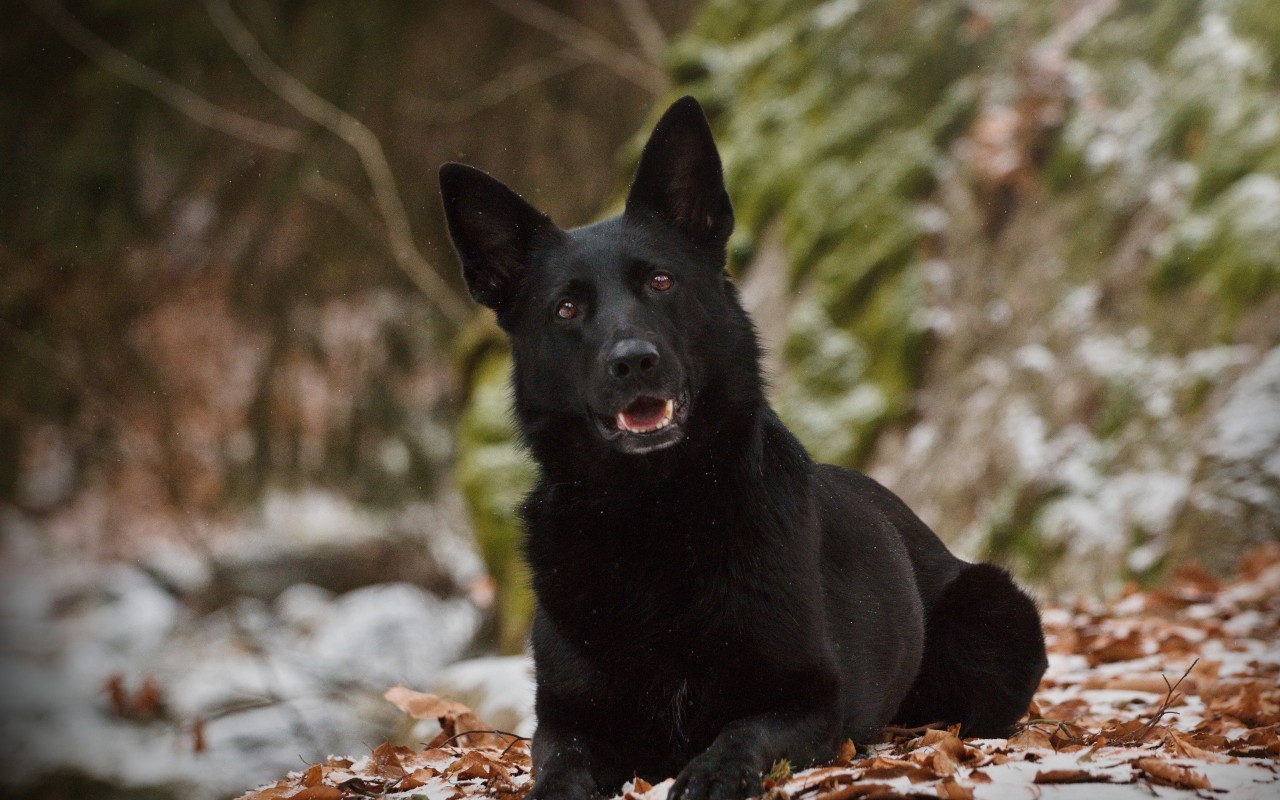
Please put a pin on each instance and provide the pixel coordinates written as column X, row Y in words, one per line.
column 1168, row 692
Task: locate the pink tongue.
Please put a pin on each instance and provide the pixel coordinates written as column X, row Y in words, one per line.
column 645, row 412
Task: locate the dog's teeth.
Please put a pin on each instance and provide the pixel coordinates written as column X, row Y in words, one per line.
column 668, row 414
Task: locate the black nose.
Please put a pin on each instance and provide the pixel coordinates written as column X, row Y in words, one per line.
column 633, row 358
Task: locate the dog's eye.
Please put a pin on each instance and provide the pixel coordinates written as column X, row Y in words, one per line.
column 661, row 281
column 567, row 309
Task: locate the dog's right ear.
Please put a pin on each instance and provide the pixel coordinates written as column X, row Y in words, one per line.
column 493, row 230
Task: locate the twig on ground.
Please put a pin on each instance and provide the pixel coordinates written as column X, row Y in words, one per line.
column 516, row 737
column 1169, row 698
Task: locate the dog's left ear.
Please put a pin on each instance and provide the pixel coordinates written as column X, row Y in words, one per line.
column 680, row 178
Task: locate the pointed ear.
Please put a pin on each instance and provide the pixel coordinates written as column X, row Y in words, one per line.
column 680, row 179
column 493, row 230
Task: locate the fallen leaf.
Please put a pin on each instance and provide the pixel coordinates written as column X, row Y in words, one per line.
column 318, row 793
column 1166, row 773
column 1031, row 737
column 950, row 789
column 1184, row 747
column 1070, row 776
column 314, row 775
column 421, row 705
column 871, row 791
column 386, row 761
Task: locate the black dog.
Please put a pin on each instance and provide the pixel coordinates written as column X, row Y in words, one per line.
column 709, row 599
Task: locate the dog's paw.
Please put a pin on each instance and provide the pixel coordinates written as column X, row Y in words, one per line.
column 716, row 777
column 564, row 786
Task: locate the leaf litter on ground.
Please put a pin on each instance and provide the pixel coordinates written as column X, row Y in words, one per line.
column 1169, row 692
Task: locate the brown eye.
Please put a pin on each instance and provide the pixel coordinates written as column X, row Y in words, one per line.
column 567, row 309
column 661, row 281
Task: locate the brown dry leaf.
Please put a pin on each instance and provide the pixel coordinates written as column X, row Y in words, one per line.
column 1183, row 746
column 318, row 793
column 1266, row 738
column 978, row 776
column 943, row 763
column 149, row 700
column 417, row 779
column 1108, row 649
column 421, row 705
column 1130, row 731
column 945, row 742
column 475, row 764
column 314, row 775
column 198, row 742
column 1070, row 776
column 1191, row 576
column 852, row 791
column 457, row 721
column 884, row 768
column 1166, row 773
column 847, row 753
column 1071, row 709
column 1031, row 737
column 950, row 789
column 386, row 760
column 1244, row 703
column 1255, row 562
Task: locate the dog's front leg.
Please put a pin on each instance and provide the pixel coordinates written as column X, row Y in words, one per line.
column 734, row 765
column 561, row 768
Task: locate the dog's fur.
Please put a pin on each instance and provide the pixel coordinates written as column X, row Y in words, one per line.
column 709, row 599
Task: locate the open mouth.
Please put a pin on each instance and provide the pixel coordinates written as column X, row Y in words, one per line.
column 646, row 415
column 649, row 422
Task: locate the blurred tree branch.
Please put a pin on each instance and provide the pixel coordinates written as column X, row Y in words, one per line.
column 493, row 92
column 367, row 146
column 354, row 133
column 649, row 34
column 626, row 64
column 184, row 100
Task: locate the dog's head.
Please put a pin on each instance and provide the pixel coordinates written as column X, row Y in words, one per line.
column 622, row 330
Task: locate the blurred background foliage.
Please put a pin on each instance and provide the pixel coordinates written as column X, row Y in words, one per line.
column 1018, row 260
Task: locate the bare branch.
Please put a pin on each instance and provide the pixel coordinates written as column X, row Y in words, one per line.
column 176, row 95
column 340, row 197
column 372, row 157
column 586, row 41
column 652, row 39
column 493, row 92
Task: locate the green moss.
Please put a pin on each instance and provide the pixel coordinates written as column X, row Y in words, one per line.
column 1121, row 403
column 493, row 475
column 1231, row 244
column 1260, row 21
column 830, row 119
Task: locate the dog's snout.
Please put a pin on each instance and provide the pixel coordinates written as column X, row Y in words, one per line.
column 633, row 358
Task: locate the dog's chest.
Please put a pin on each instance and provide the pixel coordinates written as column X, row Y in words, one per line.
column 632, row 584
